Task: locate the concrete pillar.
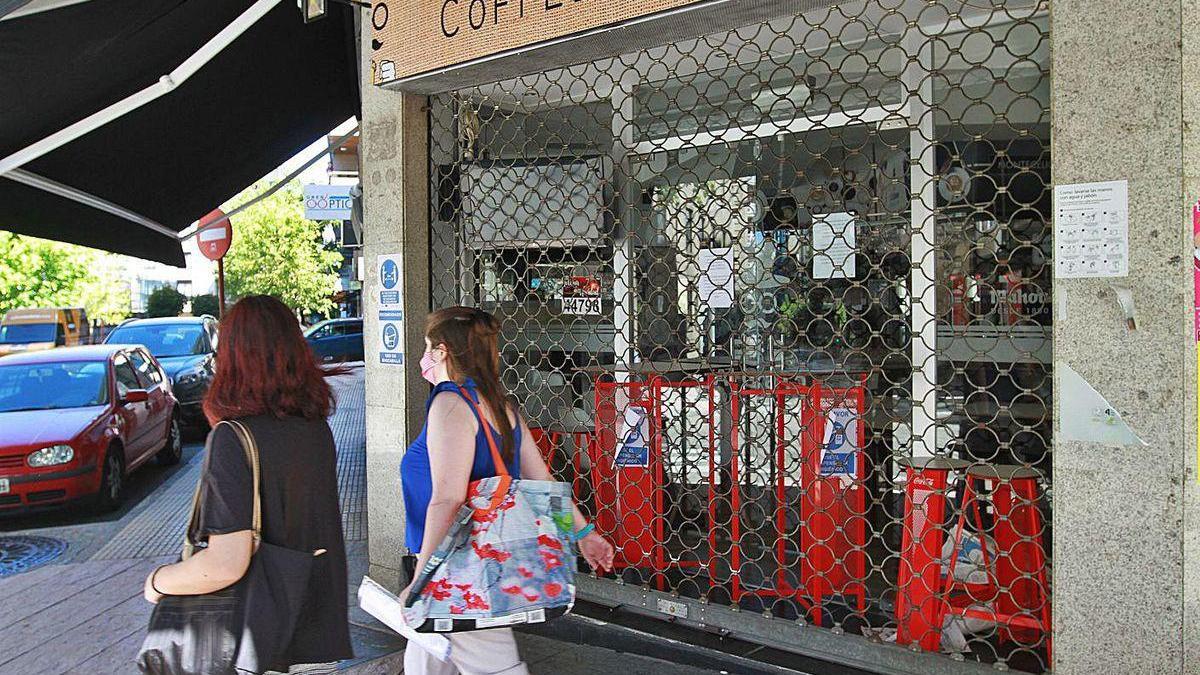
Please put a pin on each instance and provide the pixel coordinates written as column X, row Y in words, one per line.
column 1119, row 80
column 395, row 182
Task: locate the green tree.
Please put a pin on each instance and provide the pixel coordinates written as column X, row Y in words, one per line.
column 206, row 304
column 105, row 293
column 276, row 251
column 39, row 273
column 165, row 301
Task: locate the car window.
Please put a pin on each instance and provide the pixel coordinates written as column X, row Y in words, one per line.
column 147, row 373
column 52, row 386
column 163, row 340
column 212, row 335
column 27, row 332
column 126, row 376
column 353, row 327
column 322, row 332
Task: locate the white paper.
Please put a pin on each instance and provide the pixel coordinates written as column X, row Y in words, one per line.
column 834, row 247
column 716, row 277
column 1086, row 414
column 383, row 605
column 1091, row 230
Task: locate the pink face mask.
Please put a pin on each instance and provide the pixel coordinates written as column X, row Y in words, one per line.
column 428, row 363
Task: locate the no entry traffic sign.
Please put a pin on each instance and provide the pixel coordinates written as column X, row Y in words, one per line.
column 214, row 240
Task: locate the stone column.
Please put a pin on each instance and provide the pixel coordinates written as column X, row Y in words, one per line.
column 1119, row 80
column 396, row 220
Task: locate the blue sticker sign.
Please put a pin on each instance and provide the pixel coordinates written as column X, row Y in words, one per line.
column 839, row 450
column 632, row 455
column 391, row 311
column 391, row 336
column 634, row 450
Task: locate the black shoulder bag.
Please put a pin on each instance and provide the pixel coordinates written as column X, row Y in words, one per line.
column 243, row 628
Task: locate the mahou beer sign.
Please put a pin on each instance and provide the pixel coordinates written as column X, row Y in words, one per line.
column 453, row 32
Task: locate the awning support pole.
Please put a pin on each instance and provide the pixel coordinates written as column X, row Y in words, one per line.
column 205, row 224
column 166, row 84
column 54, row 187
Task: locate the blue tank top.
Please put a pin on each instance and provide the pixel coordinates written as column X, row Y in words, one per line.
column 415, row 476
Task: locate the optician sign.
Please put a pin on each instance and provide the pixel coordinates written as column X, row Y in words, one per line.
column 327, row 202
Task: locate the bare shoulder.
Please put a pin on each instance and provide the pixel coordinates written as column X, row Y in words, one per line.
column 450, row 407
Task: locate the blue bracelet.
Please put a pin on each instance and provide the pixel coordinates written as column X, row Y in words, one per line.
column 585, row 531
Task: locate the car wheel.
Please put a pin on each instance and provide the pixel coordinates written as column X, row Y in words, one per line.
column 172, row 450
column 112, row 481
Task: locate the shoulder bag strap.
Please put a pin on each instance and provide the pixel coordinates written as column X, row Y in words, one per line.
column 246, row 440
column 497, row 459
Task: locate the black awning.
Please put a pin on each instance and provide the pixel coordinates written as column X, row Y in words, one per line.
column 278, row 88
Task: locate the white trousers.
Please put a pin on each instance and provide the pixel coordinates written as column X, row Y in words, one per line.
column 480, row 652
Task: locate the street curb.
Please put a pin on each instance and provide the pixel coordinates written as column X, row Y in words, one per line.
column 599, row 626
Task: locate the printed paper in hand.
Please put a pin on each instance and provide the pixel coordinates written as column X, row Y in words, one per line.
column 385, row 606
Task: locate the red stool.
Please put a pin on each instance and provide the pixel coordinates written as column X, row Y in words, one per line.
column 1016, row 570
column 919, row 604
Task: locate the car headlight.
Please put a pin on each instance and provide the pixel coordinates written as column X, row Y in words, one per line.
column 52, row 456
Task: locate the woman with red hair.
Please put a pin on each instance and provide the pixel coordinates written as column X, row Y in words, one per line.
column 268, row 379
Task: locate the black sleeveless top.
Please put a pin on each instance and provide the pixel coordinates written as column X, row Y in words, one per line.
column 300, row 510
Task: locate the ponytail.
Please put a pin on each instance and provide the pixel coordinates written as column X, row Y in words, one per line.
column 472, row 338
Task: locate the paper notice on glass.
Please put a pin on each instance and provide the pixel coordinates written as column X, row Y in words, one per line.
column 1091, row 230
column 834, row 247
column 383, row 605
column 716, row 277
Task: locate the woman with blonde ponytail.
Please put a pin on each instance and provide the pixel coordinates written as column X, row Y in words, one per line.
column 462, row 358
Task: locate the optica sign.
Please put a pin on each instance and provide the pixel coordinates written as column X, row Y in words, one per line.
column 327, row 202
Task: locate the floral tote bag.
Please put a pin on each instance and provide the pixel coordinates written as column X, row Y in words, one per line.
column 507, row 559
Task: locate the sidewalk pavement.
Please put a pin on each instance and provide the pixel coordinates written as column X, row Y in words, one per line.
column 88, row 616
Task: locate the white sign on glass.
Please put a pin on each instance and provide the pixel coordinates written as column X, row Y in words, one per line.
column 716, row 277
column 834, row 246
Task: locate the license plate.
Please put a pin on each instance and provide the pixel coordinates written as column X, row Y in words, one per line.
column 4, row 487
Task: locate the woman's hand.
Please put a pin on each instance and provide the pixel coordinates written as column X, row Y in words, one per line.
column 152, row 596
column 597, row 552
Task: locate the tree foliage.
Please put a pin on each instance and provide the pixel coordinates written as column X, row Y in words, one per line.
column 39, row 273
column 105, row 292
column 276, row 251
column 165, row 301
column 206, row 304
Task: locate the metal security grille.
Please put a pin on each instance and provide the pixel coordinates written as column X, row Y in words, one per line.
column 777, row 303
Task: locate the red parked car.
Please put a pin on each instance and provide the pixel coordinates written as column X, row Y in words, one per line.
column 74, row 422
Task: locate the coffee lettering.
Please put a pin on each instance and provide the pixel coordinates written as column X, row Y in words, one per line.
column 553, row 4
column 482, row 14
column 496, row 10
column 445, row 32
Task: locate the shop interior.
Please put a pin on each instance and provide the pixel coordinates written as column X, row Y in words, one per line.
column 747, row 235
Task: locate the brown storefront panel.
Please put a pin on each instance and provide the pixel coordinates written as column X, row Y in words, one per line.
column 417, row 36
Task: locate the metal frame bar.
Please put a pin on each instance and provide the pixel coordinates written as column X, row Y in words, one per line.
column 165, row 85
column 779, row 633
column 67, row 192
column 87, row 199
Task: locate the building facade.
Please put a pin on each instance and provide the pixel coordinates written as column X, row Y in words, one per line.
column 862, row 329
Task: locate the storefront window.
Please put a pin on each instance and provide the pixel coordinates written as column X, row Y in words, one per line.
column 777, row 302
